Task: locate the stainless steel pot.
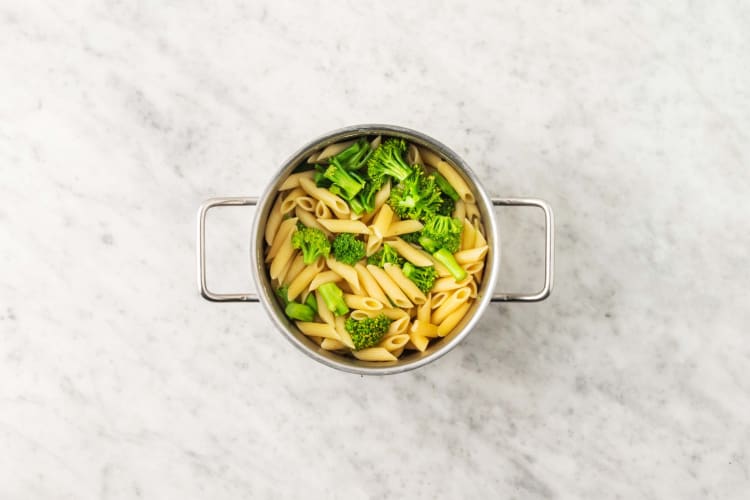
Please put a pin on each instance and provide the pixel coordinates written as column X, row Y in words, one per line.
column 265, row 293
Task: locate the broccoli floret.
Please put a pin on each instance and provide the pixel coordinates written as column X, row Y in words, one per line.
column 388, row 160
column 447, row 205
column 348, row 249
column 441, row 231
column 386, row 255
column 365, row 200
column 416, row 197
column 301, row 312
column 283, row 293
column 423, row 277
column 334, row 298
column 367, row 332
column 412, row 237
column 441, row 236
column 353, row 157
column 313, row 243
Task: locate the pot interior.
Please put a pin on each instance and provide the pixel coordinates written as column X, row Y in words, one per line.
column 411, row 359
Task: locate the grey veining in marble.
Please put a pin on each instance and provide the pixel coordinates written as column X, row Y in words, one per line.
column 118, row 118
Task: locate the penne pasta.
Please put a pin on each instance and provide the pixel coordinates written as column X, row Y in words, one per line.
column 332, row 150
column 306, row 203
column 424, row 328
column 424, row 310
column 394, row 313
column 472, row 212
column 336, row 204
column 369, row 284
column 404, row 227
column 390, row 288
column 451, row 303
column 451, row 321
column 468, row 235
column 324, row 277
column 362, row 303
column 394, row 342
column 438, row 299
column 304, row 278
column 324, row 330
column 449, row 283
column 309, row 220
column 295, row 267
column 373, row 245
column 419, row 342
column 412, row 155
column 323, row 311
column 479, row 240
column 473, row 287
column 412, row 254
column 292, row 181
column 474, row 267
column 374, row 354
column 379, row 227
column 470, row 255
column 290, row 200
column 284, row 232
column 360, row 314
column 412, row 292
column 322, row 211
column 283, row 258
column 332, row 345
column 398, row 326
column 349, row 273
column 274, row 221
column 344, row 226
column 459, row 212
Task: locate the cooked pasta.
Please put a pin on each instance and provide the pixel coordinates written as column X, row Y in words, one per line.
column 365, row 264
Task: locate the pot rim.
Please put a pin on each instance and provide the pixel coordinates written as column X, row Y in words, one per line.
column 353, row 365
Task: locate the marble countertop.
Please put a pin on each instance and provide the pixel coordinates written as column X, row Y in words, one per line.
column 118, row 381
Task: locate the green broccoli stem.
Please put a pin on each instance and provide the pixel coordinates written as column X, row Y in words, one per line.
column 334, row 298
column 311, row 302
column 301, row 312
column 445, row 186
column 449, row 261
column 340, row 177
column 356, row 206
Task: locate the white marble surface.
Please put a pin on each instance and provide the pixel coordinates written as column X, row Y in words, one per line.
column 118, row 381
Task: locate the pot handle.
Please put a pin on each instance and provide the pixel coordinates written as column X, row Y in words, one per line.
column 549, row 250
column 205, row 207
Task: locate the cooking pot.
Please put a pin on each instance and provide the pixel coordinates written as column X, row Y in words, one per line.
column 265, row 292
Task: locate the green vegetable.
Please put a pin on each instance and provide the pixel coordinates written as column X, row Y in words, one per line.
column 445, row 186
column 441, row 236
column 365, row 200
column 353, row 157
column 348, row 249
column 447, row 205
column 441, row 231
column 412, row 237
column 311, row 302
column 367, row 332
column 347, row 184
column 334, row 298
column 386, row 255
column 388, row 160
column 313, row 243
column 423, row 277
column 283, row 294
column 300, row 312
column 416, row 197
